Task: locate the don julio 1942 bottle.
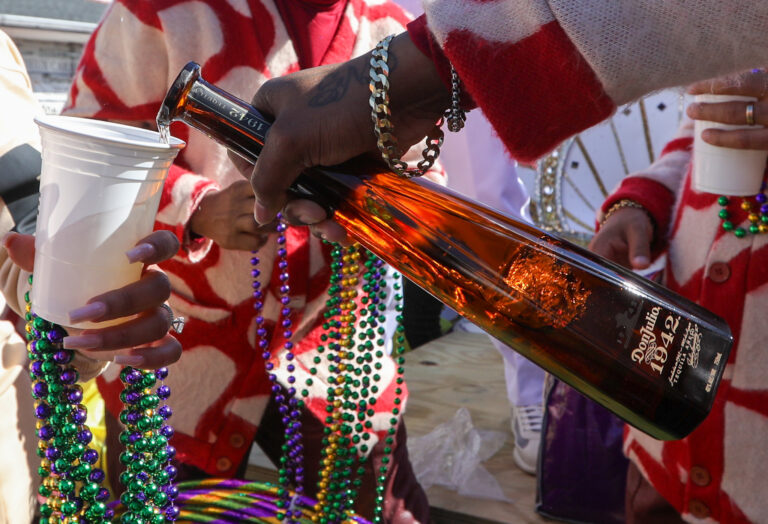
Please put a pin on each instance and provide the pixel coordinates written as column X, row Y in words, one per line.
column 650, row 356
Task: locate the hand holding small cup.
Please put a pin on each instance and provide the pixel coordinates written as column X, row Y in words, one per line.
column 730, row 145
column 144, row 341
column 753, row 113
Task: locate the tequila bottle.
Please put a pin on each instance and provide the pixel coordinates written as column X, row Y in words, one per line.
column 649, row 355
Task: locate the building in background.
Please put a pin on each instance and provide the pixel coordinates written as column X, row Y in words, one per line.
column 50, row 35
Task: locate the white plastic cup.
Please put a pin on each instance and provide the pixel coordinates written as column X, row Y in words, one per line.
column 723, row 170
column 100, row 187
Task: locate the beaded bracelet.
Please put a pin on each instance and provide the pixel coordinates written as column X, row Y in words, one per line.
column 381, row 116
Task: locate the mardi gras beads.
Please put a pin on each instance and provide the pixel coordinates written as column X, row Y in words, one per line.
column 375, row 287
column 355, row 380
column 148, row 475
column 335, row 491
column 757, row 214
column 352, row 350
column 71, row 484
column 291, row 468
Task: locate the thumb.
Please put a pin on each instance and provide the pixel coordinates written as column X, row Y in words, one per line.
column 21, row 249
column 639, row 246
column 272, row 175
column 279, row 164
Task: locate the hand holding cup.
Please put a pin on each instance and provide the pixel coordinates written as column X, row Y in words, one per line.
column 751, row 112
column 143, row 341
column 730, row 140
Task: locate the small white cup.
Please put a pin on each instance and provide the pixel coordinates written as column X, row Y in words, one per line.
column 100, row 187
column 723, row 170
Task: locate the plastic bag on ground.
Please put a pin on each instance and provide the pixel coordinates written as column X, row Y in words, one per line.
column 451, row 455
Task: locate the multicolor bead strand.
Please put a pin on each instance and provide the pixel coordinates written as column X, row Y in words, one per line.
column 335, row 493
column 70, row 482
column 398, row 353
column 758, row 218
column 354, row 373
column 291, row 470
column 148, row 476
column 374, row 303
column 234, row 501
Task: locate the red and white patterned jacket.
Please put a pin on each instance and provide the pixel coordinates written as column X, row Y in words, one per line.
column 219, row 386
column 716, row 474
column 542, row 70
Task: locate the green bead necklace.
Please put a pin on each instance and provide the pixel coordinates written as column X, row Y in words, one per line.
column 354, row 380
column 71, row 484
column 756, row 214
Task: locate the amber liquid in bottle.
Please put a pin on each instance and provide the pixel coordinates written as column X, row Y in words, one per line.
column 650, row 356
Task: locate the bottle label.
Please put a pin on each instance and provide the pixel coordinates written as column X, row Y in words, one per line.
column 688, row 354
column 663, row 343
column 233, row 111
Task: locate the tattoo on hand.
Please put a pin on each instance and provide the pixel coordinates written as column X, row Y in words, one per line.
column 335, row 86
column 331, row 89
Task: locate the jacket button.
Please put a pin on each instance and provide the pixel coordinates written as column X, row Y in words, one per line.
column 236, row 440
column 223, row 464
column 698, row 509
column 700, row 476
column 719, row 272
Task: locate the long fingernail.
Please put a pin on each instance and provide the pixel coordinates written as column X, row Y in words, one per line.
column 82, row 341
column 140, row 252
column 92, row 311
column 129, row 360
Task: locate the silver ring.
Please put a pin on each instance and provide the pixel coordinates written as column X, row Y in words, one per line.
column 176, row 323
column 751, row 114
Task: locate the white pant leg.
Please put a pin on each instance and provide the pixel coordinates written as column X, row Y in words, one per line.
column 525, row 380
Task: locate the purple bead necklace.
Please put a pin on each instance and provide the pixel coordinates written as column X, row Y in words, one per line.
column 291, row 469
column 71, row 483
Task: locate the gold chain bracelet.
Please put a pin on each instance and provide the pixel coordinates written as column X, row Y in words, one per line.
column 382, row 117
column 621, row 204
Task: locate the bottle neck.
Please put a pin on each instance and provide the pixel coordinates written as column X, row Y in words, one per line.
column 230, row 121
column 240, row 127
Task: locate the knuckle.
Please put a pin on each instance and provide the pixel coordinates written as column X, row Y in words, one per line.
column 119, row 302
column 118, row 339
column 161, row 283
column 159, row 324
column 262, row 95
column 167, row 244
column 270, row 94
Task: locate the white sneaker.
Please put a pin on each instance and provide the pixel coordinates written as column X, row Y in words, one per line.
column 526, row 426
